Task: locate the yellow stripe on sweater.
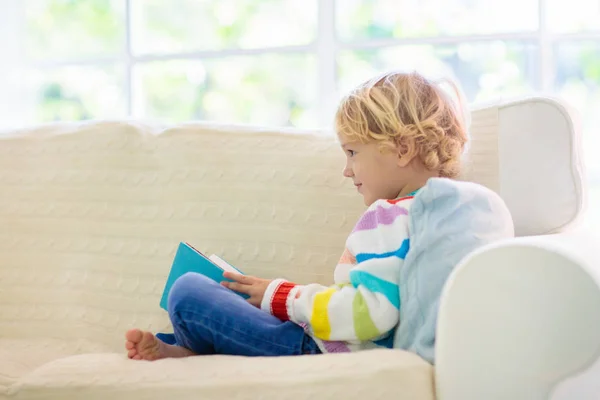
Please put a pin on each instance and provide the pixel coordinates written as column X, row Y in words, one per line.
column 319, row 319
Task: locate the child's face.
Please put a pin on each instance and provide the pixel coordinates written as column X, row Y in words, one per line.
column 376, row 174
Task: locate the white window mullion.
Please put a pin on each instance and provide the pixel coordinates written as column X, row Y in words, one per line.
column 128, row 60
column 545, row 56
column 208, row 54
column 437, row 40
column 326, row 56
column 13, row 94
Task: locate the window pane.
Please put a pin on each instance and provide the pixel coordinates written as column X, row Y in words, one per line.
column 70, row 29
column 260, row 90
column 485, row 70
column 77, row 93
column 161, row 27
column 368, row 19
column 574, row 15
column 578, row 82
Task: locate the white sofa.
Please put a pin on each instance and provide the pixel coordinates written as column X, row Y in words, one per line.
column 91, row 215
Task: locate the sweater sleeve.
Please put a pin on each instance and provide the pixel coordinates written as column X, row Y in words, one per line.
column 366, row 307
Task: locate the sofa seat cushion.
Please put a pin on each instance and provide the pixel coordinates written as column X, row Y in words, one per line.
column 370, row 374
column 20, row 356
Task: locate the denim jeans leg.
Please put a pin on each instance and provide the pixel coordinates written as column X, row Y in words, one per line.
column 208, row 318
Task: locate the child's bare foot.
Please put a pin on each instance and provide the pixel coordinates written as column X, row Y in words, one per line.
column 145, row 346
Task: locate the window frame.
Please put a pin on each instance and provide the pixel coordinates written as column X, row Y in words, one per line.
column 326, row 48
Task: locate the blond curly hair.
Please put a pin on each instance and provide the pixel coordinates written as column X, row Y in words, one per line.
column 410, row 113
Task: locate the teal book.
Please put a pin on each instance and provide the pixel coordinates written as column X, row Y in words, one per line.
column 188, row 259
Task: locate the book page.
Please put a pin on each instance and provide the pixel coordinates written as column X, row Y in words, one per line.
column 219, row 262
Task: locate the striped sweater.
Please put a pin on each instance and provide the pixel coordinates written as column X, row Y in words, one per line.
column 361, row 310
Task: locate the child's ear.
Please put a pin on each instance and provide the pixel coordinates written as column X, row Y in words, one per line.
column 406, row 151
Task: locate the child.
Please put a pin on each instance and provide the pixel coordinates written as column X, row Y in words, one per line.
column 403, row 138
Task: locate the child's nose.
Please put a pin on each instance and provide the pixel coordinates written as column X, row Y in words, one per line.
column 347, row 172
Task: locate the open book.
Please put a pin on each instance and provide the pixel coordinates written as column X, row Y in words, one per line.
column 188, row 259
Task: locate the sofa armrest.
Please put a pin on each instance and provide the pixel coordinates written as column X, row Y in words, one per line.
column 517, row 317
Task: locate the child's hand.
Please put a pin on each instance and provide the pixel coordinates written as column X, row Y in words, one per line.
column 250, row 285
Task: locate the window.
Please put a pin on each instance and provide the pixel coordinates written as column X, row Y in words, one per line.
column 285, row 62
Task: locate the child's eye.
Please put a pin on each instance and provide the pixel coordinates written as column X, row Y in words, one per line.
column 351, row 152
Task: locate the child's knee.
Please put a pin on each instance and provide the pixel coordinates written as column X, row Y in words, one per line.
column 190, row 287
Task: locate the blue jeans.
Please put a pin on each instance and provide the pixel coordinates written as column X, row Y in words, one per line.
column 208, row 318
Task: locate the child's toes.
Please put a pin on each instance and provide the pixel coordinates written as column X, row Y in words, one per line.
column 134, row 335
